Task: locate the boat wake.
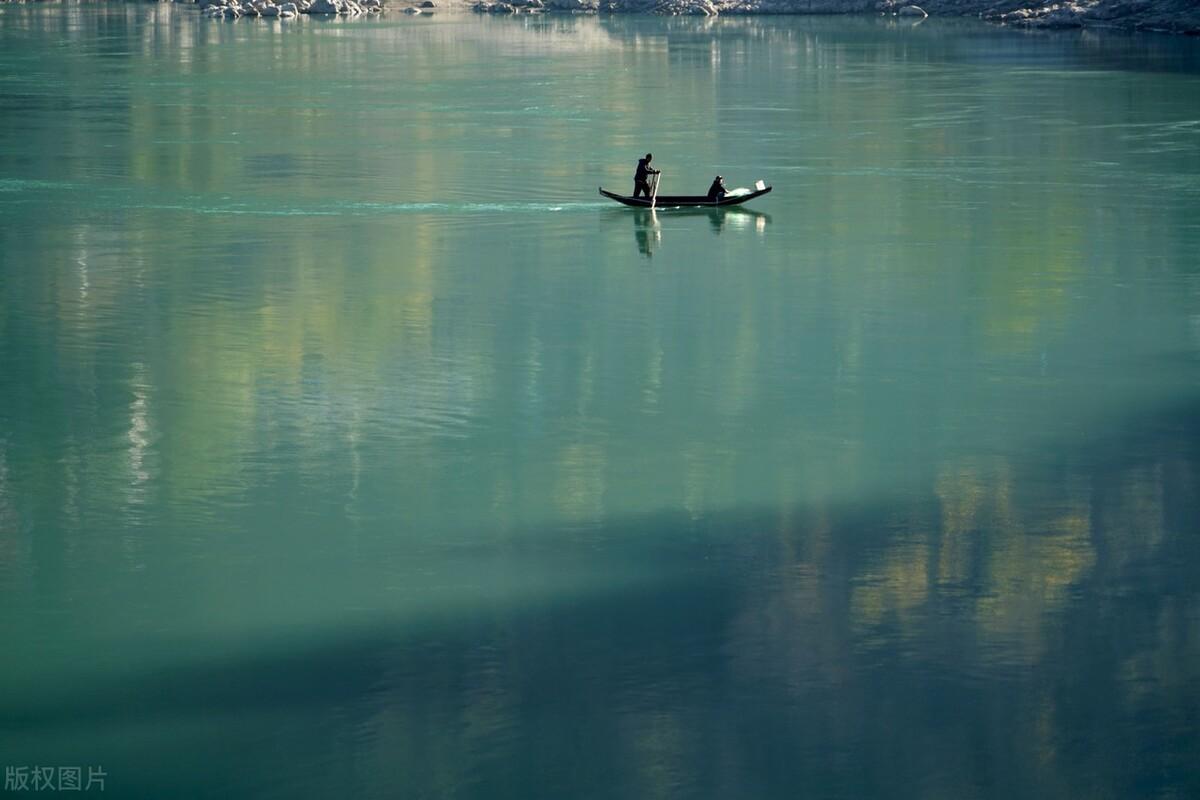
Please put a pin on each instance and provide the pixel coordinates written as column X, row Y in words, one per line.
column 111, row 198
column 468, row 208
column 372, row 209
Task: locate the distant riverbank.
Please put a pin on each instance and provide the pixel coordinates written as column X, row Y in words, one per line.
column 1166, row 16
column 1170, row 16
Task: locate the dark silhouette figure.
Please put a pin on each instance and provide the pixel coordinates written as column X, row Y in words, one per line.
column 640, row 183
column 643, row 242
column 717, row 190
column 646, row 232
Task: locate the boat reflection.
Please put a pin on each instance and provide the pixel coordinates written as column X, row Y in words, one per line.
column 647, row 223
column 736, row 218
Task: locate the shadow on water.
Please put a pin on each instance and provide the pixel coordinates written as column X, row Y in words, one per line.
column 1009, row 630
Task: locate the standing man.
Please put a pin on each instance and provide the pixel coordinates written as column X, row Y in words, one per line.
column 644, row 170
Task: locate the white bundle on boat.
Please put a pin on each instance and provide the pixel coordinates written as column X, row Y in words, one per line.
column 741, row 190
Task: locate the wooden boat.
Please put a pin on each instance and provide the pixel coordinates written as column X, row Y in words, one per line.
column 682, row 200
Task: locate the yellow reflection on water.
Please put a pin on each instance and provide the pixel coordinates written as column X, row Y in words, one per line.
column 892, row 589
column 579, row 487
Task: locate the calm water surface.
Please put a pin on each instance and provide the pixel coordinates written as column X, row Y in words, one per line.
column 351, row 447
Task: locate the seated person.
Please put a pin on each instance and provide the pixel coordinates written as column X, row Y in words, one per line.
column 717, row 190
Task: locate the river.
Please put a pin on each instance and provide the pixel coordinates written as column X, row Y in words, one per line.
column 351, row 445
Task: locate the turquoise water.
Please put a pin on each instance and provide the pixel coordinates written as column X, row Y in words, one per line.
column 351, row 446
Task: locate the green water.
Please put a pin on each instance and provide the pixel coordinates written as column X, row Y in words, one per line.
column 350, row 446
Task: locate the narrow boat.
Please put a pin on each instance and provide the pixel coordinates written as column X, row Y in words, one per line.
column 678, row 200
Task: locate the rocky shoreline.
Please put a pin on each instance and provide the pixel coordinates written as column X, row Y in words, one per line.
column 1169, row 16
column 232, row 9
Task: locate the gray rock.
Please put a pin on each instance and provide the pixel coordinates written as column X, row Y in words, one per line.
column 1066, row 15
column 686, row 8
